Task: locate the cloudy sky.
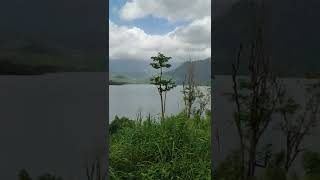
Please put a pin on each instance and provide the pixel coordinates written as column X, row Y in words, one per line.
column 138, row 29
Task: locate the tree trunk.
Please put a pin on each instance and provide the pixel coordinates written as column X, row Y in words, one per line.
column 164, row 102
column 251, row 163
column 162, row 107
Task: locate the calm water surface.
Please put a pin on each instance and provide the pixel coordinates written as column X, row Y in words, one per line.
column 52, row 123
column 128, row 100
column 224, row 128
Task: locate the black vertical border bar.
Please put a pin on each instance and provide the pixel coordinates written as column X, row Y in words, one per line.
column 212, row 102
column 106, row 60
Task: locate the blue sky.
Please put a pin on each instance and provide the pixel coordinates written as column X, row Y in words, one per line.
column 139, row 29
column 151, row 25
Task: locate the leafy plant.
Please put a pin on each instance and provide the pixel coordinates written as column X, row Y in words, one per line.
column 189, row 89
column 163, row 85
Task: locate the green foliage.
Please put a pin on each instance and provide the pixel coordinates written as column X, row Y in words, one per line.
column 163, row 85
column 49, row 177
column 230, row 168
column 119, row 123
column 177, row 148
column 288, row 105
column 193, row 94
column 311, row 165
column 189, row 89
column 24, row 175
column 160, row 62
column 275, row 170
column 275, row 174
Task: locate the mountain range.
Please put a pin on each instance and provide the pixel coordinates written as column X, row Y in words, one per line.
column 135, row 71
column 27, row 56
column 201, row 70
column 134, row 68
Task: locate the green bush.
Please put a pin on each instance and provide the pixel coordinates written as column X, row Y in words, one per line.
column 177, row 148
column 119, row 123
column 311, row 165
column 24, row 175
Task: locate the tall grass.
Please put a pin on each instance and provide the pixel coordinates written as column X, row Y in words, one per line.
column 177, row 148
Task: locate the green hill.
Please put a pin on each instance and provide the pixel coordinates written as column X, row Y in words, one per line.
column 202, row 71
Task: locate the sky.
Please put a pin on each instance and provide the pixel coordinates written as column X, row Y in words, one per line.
column 139, row 29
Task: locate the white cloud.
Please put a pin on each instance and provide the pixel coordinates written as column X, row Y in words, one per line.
column 193, row 39
column 134, row 43
column 172, row 10
column 198, row 32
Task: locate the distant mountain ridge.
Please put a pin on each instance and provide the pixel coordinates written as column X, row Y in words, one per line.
column 134, row 68
column 202, row 71
column 39, row 57
column 291, row 32
column 131, row 71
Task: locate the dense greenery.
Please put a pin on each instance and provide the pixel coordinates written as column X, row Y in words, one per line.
column 229, row 169
column 311, row 165
column 24, row 175
column 176, row 148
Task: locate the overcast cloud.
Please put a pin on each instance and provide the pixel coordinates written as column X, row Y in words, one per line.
column 193, row 39
column 169, row 9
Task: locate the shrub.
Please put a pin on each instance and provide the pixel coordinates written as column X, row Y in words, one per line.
column 176, row 148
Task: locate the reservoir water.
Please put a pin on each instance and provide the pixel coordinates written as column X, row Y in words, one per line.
column 129, row 100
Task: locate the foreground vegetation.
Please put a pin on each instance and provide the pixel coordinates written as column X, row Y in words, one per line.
column 176, row 148
column 230, row 168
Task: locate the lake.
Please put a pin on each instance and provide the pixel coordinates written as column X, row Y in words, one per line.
column 57, row 122
column 223, row 110
column 52, row 123
column 128, row 100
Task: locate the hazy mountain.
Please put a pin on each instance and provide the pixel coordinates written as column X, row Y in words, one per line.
column 35, row 56
column 202, row 71
column 133, row 71
column 133, row 68
column 290, row 30
column 67, row 35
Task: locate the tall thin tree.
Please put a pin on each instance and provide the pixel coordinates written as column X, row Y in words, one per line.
column 256, row 101
column 189, row 88
column 163, row 85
